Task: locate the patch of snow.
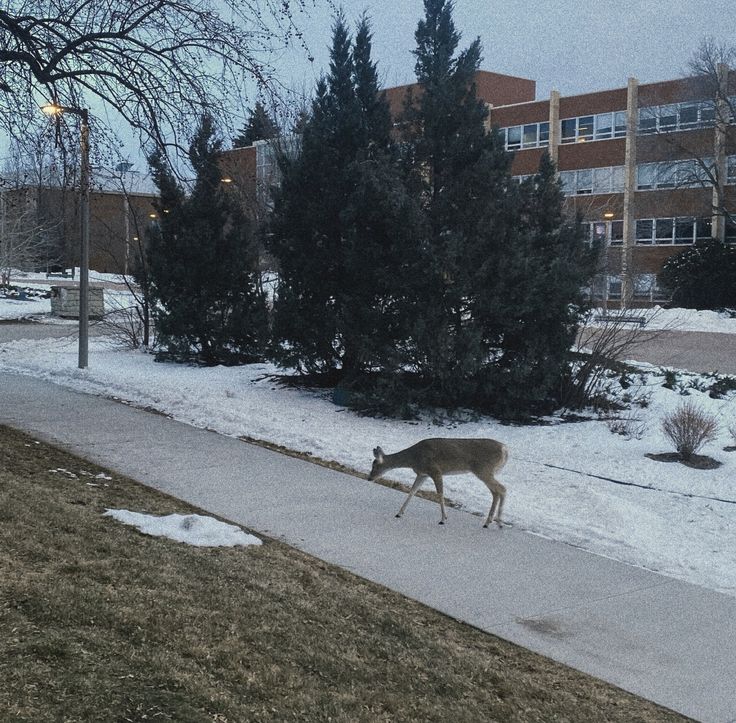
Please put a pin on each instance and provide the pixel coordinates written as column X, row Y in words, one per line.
column 197, row 530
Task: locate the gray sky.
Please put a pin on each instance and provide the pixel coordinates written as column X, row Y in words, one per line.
column 569, row 46
column 573, row 47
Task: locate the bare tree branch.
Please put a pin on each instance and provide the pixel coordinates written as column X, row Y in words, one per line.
column 159, row 64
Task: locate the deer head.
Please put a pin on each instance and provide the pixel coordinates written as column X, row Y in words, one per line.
column 377, row 468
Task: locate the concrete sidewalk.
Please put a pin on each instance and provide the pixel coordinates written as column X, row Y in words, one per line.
column 665, row 640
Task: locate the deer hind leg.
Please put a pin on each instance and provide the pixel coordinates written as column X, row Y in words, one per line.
column 498, row 494
column 439, row 486
column 417, row 484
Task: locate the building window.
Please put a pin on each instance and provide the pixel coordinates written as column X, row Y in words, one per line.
column 594, row 127
column 677, row 116
column 585, row 128
column 665, row 231
column 608, row 232
column 544, row 134
column 663, row 228
column 730, row 231
column 684, row 230
column 703, row 228
column 609, row 179
column 513, row 138
column 645, row 176
column 530, row 135
column 569, row 130
column 644, row 230
column 584, row 180
column 688, row 173
column 598, row 232
column 731, row 169
column 667, row 117
column 604, row 126
column 689, row 115
column 617, row 233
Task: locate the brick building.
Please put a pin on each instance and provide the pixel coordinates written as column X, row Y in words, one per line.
column 651, row 168
column 117, row 222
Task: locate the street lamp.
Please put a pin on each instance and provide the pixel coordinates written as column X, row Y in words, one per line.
column 53, row 109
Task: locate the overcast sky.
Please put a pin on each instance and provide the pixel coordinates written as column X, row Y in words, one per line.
column 573, row 47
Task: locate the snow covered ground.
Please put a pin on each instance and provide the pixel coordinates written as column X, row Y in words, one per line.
column 575, row 482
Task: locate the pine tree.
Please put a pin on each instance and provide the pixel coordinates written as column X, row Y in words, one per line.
column 460, row 174
column 503, row 269
column 337, row 227
column 260, row 126
column 201, row 268
column 540, row 298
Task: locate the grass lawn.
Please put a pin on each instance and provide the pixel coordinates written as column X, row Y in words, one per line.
column 101, row 623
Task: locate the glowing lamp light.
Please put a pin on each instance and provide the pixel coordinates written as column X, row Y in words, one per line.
column 51, row 109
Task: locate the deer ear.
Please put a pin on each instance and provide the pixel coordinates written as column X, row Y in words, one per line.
column 378, row 453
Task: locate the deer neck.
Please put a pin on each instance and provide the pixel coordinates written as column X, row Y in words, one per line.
column 396, row 460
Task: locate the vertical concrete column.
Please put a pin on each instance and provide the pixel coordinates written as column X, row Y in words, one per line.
column 629, row 240
column 487, row 122
column 554, row 125
column 718, row 222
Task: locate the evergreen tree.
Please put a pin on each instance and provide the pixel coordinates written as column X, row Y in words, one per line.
column 260, row 126
column 702, row 277
column 503, row 270
column 540, row 297
column 460, row 173
column 202, row 273
column 342, row 227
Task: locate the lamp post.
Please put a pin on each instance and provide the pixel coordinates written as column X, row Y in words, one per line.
column 53, row 109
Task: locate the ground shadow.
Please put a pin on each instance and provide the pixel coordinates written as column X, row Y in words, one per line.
column 697, row 461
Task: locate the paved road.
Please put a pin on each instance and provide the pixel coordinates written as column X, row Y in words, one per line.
column 697, row 351
column 663, row 639
column 694, row 350
column 14, row 331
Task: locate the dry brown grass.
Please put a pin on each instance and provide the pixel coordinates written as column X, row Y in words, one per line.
column 101, row 623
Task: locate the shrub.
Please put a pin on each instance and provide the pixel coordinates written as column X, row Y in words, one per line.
column 629, row 426
column 689, row 427
column 702, row 276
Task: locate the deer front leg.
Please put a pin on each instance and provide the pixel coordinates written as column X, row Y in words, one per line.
column 438, row 485
column 417, row 484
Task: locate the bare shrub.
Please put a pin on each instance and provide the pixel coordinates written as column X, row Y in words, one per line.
column 689, row 427
column 732, row 432
column 124, row 323
column 629, row 426
column 600, row 349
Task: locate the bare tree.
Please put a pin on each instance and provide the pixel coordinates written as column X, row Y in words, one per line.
column 695, row 164
column 25, row 242
column 158, row 64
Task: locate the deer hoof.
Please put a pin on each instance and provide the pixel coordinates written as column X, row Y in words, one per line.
column 398, row 516
column 442, row 522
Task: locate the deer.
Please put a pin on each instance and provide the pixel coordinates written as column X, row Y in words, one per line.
column 439, row 456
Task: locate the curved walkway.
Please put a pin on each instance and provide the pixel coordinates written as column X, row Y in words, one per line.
column 657, row 637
